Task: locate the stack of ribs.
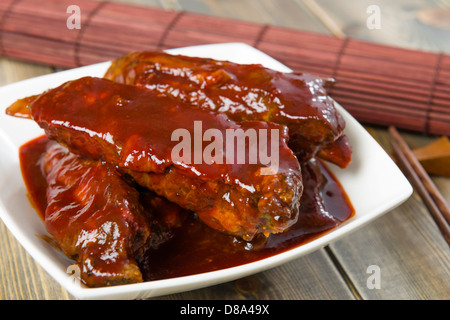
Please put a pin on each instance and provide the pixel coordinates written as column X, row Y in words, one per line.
column 113, row 135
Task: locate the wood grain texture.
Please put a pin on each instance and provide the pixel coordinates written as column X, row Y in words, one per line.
column 13, row 71
column 20, row 276
column 402, row 24
column 419, row 278
column 414, row 263
column 405, row 243
column 308, row 278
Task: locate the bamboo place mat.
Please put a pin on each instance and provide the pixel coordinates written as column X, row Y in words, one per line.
column 377, row 84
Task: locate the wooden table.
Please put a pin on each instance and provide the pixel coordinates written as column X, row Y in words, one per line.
column 413, row 258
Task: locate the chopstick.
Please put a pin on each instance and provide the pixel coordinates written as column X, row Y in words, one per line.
column 422, row 182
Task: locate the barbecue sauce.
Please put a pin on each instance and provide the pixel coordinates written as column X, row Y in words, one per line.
column 196, row 248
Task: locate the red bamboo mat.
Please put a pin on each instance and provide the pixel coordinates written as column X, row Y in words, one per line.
column 377, row 84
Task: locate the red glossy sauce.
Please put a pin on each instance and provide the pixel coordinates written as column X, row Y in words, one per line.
column 128, row 127
column 196, row 248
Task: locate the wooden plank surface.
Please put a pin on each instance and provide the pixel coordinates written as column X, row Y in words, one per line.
column 405, row 244
column 20, row 276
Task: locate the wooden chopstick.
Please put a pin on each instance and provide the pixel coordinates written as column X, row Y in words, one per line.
column 422, row 182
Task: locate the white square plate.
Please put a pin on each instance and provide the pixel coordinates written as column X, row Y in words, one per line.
column 372, row 181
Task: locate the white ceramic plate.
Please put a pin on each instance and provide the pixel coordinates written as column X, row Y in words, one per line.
column 373, row 182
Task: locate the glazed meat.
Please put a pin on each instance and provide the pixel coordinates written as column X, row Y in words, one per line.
column 245, row 92
column 95, row 217
column 128, row 127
